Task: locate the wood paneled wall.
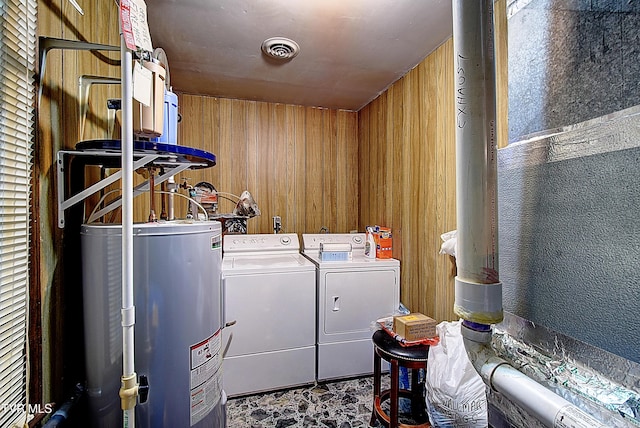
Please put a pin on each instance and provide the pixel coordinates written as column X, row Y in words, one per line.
column 407, row 170
column 407, row 162
column 300, row 163
column 55, row 280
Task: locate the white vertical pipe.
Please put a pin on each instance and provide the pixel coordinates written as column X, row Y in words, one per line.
column 478, row 294
column 476, row 153
column 128, row 309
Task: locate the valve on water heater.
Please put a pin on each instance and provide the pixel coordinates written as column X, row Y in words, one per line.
column 143, row 389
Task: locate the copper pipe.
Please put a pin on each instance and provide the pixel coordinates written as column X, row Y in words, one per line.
column 163, row 198
column 152, row 213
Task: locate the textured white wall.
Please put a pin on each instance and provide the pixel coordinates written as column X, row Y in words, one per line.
column 570, row 232
column 571, row 61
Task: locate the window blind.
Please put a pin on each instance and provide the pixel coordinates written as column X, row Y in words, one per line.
column 17, row 67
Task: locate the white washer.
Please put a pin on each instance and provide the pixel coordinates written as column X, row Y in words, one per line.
column 351, row 296
column 269, row 291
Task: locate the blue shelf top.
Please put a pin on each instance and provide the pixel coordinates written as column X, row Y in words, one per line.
column 199, row 158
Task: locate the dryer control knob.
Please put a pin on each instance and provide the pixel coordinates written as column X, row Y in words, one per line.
column 285, row 240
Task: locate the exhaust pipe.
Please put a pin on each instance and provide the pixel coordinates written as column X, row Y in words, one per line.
column 478, row 290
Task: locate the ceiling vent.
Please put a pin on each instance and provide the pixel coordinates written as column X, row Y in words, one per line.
column 280, row 48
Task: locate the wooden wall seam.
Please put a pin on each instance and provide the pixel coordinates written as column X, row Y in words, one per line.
column 297, row 162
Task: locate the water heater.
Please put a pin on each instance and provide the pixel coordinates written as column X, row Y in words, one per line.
column 178, row 322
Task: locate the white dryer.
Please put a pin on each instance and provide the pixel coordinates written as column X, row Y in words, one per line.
column 351, row 296
column 269, row 295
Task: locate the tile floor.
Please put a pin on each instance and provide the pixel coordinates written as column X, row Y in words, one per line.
column 341, row 404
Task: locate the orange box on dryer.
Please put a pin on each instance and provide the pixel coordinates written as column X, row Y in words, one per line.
column 384, row 243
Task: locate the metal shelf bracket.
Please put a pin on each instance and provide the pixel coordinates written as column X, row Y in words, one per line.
column 170, row 164
column 48, row 43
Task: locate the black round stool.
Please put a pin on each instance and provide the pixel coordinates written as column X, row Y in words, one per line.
column 411, row 357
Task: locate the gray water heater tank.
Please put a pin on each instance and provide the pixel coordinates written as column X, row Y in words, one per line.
column 176, row 269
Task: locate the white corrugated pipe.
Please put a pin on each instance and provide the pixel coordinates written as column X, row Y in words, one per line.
column 478, row 291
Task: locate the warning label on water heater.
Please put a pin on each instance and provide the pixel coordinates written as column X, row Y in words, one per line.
column 216, row 242
column 206, row 377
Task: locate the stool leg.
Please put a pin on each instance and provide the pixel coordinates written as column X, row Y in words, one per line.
column 417, row 400
column 393, row 400
column 376, row 386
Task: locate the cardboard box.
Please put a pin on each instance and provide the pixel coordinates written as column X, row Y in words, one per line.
column 414, row 326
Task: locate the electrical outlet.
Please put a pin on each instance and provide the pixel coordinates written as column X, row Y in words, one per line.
column 277, row 224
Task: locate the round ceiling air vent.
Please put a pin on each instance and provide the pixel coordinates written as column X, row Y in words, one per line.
column 280, row 48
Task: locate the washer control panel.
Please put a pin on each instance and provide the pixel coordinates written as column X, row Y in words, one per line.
column 261, row 242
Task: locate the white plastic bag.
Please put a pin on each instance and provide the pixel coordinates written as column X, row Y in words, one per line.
column 455, row 395
column 449, row 243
